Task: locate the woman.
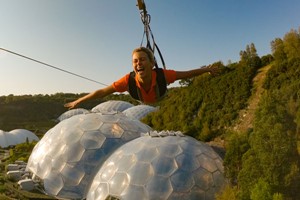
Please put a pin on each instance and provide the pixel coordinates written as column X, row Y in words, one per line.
column 145, row 78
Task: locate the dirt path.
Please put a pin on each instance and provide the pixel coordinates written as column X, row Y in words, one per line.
column 246, row 116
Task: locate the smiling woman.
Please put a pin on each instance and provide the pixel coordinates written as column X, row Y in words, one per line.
column 145, row 79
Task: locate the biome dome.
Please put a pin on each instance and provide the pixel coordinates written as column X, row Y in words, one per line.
column 16, row 136
column 139, row 111
column 71, row 113
column 112, row 105
column 164, row 165
column 68, row 156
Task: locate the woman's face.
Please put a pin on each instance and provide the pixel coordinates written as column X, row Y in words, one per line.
column 141, row 64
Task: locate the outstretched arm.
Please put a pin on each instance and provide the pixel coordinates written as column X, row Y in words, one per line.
column 93, row 95
column 196, row 72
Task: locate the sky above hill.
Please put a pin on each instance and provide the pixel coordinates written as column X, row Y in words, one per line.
column 95, row 38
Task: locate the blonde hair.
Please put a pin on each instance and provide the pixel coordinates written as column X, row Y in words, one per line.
column 147, row 51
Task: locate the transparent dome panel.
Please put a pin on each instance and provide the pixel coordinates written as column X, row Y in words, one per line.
column 164, row 166
column 119, row 183
column 53, row 183
column 140, row 173
column 182, row 181
column 92, row 140
column 159, row 187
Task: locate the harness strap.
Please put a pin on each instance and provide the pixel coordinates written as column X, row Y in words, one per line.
column 160, row 88
column 161, row 83
column 146, row 18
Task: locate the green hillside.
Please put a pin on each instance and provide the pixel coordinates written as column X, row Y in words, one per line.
column 252, row 107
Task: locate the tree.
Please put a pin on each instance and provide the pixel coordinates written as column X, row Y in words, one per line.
column 236, row 147
column 277, row 196
column 261, row 191
column 266, row 60
column 249, row 57
column 228, row 193
column 278, row 52
column 292, row 45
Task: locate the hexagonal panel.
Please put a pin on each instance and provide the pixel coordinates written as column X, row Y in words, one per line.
column 203, row 179
column 54, row 183
column 182, row 181
column 187, row 162
column 102, row 191
column 118, row 183
column 142, row 173
column 92, row 140
column 91, row 123
column 73, row 153
column 128, row 161
column 135, row 192
column 207, row 163
column 108, row 172
column 147, row 156
column 72, row 175
column 164, row 166
column 159, row 187
column 170, row 150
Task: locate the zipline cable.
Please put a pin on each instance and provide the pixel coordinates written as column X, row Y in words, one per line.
column 57, row 68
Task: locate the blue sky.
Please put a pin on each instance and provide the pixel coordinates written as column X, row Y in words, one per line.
column 95, row 38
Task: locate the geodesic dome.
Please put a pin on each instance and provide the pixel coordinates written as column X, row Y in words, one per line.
column 24, row 134
column 6, row 139
column 68, row 156
column 71, row 113
column 112, row 105
column 17, row 136
column 165, row 165
column 139, row 111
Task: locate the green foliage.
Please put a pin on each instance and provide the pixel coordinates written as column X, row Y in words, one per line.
column 249, row 57
column 261, row 191
column 273, row 154
column 21, row 152
column 228, row 193
column 292, row 45
column 278, row 196
column 273, row 150
column 266, row 60
column 2, row 189
column 208, row 104
column 236, row 147
column 27, row 110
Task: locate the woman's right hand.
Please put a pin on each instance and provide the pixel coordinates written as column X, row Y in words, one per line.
column 71, row 105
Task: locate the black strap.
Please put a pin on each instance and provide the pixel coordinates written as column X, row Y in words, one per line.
column 161, row 85
column 132, row 88
column 146, row 18
column 161, row 82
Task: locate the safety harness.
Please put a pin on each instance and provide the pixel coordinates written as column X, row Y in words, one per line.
column 161, row 83
column 160, row 88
